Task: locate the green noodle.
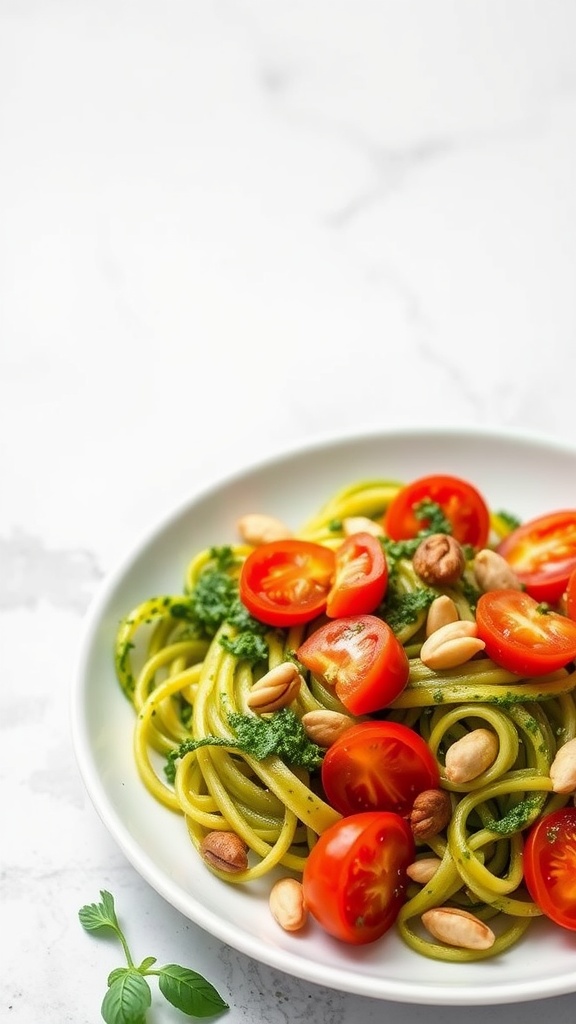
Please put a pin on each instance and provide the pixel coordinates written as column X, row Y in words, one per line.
column 186, row 686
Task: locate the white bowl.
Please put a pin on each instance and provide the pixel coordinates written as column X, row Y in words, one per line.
column 524, row 475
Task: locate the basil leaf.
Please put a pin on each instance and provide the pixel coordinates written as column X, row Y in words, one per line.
column 99, row 915
column 189, row 991
column 127, row 999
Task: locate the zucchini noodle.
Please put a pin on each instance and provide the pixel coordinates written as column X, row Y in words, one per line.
column 189, row 684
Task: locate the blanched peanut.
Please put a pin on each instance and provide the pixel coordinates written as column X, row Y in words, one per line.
column 255, row 528
column 451, row 645
column 493, row 572
column 277, row 689
column 423, row 870
column 471, row 755
column 458, row 928
column 563, row 768
column 441, row 612
column 361, row 524
column 287, row 904
column 324, row 727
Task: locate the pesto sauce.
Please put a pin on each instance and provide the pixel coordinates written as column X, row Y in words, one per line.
column 516, row 819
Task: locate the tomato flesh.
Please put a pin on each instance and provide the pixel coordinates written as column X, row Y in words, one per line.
column 521, row 636
column 460, row 501
column 549, row 860
column 360, row 657
column 354, row 879
column 542, row 553
column 286, row 582
column 378, row 766
column 571, row 596
column 360, row 578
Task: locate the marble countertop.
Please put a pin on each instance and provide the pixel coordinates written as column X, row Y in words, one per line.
column 225, row 228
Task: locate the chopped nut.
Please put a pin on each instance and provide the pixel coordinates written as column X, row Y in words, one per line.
column 563, row 768
column 439, row 560
column 225, row 851
column 471, row 755
column 423, row 869
column 441, row 612
column 431, row 812
column 256, row 529
column 324, row 727
column 458, row 928
column 361, row 524
column 492, row 572
column 287, row 904
column 277, row 689
column 451, row 645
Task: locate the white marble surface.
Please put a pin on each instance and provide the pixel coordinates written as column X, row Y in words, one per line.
column 226, row 227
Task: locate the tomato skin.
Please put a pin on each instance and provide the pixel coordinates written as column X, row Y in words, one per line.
column 378, row 766
column 571, row 596
column 354, row 879
column 542, row 553
column 521, row 637
column 549, row 861
column 460, row 501
column 361, row 658
column 286, row 582
column 360, row 578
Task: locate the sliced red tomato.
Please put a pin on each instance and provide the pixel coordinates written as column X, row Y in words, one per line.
column 571, row 596
column 378, row 766
column 354, row 879
column 361, row 658
column 522, row 636
column 461, row 503
column 542, row 553
column 360, row 578
column 287, row 582
column 549, row 860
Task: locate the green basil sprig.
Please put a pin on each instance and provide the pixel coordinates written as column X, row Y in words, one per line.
column 129, row 995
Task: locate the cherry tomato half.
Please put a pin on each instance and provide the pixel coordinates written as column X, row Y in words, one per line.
column 542, row 553
column 571, row 596
column 378, row 766
column 354, row 879
column 361, row 658
column 521, row 636
column 460, row 502
column 360, row 579
column 549, row 861
column 286, row 582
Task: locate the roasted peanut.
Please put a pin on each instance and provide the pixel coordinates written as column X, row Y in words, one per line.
column 431, row 812
column 255, row 529
column 225, row 851
column 277, row 689
column 563, row 768
column 439, row 560
column 451, row 645
column 492, row 572
column 458, row 928
column 471, row 755
column 323, row 726
column 287, row 904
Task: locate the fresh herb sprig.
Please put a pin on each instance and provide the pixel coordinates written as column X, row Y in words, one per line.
column 129, row 995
